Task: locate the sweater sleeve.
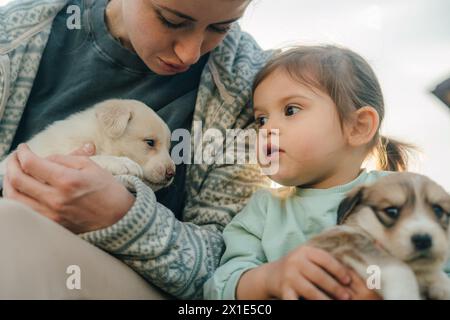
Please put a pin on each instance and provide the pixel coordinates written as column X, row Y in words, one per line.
column 176, row 256
column 243, row 252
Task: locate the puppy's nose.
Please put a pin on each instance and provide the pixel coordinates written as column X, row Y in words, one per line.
column 170, row 173
column 422, row 241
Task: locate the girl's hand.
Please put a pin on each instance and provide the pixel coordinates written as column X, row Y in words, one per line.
column 308, row 273
column 69, row 189
column 359, row 289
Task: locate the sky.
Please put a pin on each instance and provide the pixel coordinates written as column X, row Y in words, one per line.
column 407, row 42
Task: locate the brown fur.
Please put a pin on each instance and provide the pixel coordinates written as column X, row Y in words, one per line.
column 368, row 234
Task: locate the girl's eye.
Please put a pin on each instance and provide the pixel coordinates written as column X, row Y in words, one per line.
column 291, row 110
column 261, row 121
column 150, row 142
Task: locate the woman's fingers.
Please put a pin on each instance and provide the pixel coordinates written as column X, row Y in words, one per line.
column 331, row 265
column 39, row 168
column 23, row 183
column 325, row 281
column 87, row 150
column 49, row 183
column 69, row 161
column 10, row 193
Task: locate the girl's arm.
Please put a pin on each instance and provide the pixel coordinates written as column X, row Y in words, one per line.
column 246, row 274
column 244, row 254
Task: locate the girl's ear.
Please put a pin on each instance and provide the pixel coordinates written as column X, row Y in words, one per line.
column 363, row 127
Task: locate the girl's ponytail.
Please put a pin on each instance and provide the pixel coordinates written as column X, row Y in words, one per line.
column 392, row 155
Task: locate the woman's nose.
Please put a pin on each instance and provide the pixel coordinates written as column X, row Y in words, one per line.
column 188, row 49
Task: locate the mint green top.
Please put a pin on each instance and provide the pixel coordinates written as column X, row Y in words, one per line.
column 269, row 227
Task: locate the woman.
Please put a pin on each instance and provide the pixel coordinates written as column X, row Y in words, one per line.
column 186, row 59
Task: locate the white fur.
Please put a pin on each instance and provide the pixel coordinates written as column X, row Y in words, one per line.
column 118, row 129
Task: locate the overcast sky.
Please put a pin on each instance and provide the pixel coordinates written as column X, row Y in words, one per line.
column 406, row 41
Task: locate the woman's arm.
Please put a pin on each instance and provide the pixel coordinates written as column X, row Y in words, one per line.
column 176, row 256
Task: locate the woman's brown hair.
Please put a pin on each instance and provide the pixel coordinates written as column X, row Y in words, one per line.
column 350, row 82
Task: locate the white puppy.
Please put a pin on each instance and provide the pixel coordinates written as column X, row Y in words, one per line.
column 130, row 138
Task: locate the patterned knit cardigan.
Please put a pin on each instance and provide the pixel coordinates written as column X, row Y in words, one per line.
column 176, row 256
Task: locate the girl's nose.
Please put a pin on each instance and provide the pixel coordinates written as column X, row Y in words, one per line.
column 188, row 49
column 271, row 128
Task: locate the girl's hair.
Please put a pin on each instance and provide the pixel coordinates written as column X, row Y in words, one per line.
column 350, row 82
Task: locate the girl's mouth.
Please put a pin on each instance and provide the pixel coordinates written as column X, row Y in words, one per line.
column 272, row 150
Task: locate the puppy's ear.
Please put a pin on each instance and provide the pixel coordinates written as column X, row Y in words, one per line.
column 349, row 203
column 113, row 119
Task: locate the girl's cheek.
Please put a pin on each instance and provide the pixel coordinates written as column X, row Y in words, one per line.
column 306, row 138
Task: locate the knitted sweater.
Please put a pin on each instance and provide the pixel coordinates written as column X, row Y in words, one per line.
column 177, row 256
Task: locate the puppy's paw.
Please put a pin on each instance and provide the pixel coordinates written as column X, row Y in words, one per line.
column 119, row 165
column 440, row 290
column 127, row 166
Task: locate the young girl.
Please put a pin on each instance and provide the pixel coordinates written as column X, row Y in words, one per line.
column 323, row 107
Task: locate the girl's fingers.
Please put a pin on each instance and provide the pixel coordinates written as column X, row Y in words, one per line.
column 320, row 278
column 356, row 279
column 289, row 294
column 359, row 288
column 331, row 265
column 308, row 290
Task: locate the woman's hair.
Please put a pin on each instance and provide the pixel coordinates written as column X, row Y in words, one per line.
column 350, row 82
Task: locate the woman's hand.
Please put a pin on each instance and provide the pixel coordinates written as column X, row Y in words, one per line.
column 306, row 272
column 69, row 189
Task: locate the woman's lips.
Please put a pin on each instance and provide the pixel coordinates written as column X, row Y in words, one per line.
column 170, row 67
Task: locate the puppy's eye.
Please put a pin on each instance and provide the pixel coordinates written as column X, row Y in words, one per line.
column 438, row 211
column 150, row 142
column 392, row 212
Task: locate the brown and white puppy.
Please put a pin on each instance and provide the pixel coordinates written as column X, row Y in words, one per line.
column 130, row 138
column 401, row 225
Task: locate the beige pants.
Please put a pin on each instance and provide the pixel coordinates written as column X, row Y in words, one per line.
column 36, row 256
